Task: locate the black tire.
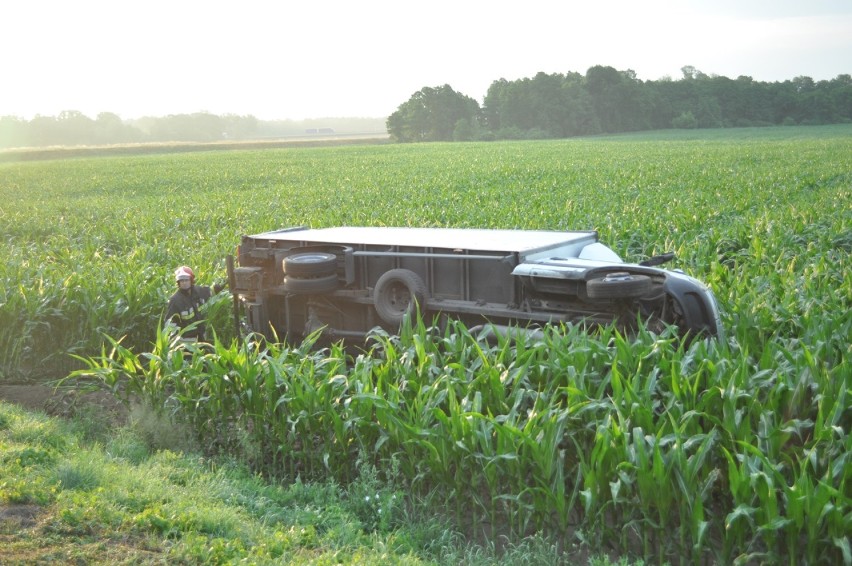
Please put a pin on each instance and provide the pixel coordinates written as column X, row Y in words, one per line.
column 310, row 264
column 618, row 285
column 397, row 293
column 317, row 285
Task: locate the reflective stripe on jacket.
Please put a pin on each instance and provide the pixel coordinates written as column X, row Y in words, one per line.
column 186, row 307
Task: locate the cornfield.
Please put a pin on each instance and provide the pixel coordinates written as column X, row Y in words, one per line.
column 716, row 451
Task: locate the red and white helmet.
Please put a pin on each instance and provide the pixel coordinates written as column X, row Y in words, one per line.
column 183, row 273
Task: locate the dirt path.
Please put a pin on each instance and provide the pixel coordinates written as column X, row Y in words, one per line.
column 63, row 402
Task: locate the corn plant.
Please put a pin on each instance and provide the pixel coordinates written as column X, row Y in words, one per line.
column 727, row 451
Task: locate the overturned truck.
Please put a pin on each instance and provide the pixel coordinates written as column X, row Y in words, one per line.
column 346, row 281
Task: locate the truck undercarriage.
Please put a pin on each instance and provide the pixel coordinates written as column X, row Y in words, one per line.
column 343, row 282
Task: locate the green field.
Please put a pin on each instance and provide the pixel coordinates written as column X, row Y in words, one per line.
column 721, row 451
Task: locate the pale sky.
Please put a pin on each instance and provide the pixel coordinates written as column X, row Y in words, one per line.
column 290, row 59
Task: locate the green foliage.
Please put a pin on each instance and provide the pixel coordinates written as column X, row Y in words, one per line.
column 685, row 121
column 29, row 444
column 96, row 507
column 374, row 501
column 531, row 434
column 735, row 450
column 83, row 475
column 606, row 100
column 434, row 114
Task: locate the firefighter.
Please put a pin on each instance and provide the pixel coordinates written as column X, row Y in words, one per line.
column 186, row 305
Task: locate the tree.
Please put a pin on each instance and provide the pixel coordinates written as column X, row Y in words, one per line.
column 546, row 106
column 467, row 129
column 431, row 114
column 492, row 105
column 841, row 94
column 685, row 121
column 110, row 129
column 239, row 127
column 617, row 98
column 197, row 127
column 691, row 73
column 74, row 128
column 14, row 132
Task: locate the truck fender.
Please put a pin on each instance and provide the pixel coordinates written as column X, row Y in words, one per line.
column 700, row 312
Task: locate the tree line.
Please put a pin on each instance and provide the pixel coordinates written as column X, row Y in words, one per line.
column 73, row 128
column 603, row 101
column 607, row 101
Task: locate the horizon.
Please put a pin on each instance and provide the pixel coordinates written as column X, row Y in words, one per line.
column 301, row 62
column 354, row 118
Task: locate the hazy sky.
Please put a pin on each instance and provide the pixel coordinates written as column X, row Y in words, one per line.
column 279, row 59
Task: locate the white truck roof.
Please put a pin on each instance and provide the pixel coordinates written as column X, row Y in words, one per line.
column 520, row 241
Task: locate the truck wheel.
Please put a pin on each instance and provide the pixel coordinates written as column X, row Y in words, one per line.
column 398, row 292
column 620, row 285
column 310, row 264
column 317, row 285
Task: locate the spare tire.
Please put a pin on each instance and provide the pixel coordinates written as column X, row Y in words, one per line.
column 325, row 284
column 619, row 285
column 310, row 264
column 397, row 293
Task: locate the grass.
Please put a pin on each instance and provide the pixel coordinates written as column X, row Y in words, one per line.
column 117, row 500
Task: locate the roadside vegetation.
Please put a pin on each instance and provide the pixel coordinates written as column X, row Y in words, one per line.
column 728, row 451
column 81, row 491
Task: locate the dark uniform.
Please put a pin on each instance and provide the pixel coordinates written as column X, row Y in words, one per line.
column 185, row 308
